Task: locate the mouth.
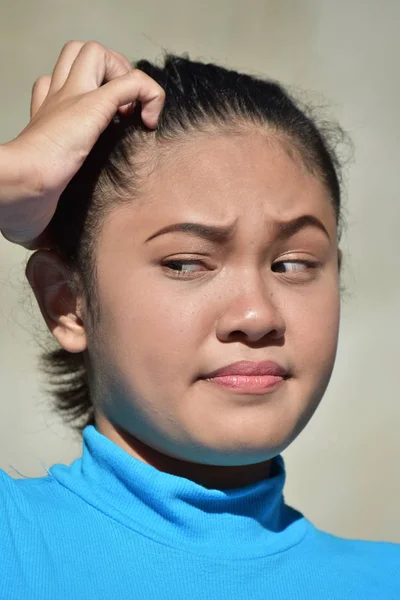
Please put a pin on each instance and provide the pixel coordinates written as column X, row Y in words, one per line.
column 247, row 377
column 247, row 384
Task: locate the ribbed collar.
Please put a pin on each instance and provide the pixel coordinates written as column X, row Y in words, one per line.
column 241, row 523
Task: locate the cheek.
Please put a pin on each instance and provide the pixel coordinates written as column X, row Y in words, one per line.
column 150, row 332
column 312, row 328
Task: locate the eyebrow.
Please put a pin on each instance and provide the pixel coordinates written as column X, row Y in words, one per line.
column 286, row 230
column 222, row 234
column 207, row 232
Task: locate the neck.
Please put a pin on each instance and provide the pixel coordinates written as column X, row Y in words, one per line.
column 209, row 476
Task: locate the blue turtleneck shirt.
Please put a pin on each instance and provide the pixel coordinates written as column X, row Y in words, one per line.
column 111, row 526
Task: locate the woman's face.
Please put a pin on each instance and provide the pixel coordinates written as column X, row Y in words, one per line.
column 176, row 306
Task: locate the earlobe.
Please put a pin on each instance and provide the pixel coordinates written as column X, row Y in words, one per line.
column 59, row 303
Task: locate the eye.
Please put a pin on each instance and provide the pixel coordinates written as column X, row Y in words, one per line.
column 176, row 266
column 299, row 268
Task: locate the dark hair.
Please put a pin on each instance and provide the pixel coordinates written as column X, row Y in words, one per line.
column 199, row 98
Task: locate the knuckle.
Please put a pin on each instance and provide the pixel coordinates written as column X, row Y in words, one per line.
column 40, row 81
column 123, row 61
column 122, row 57
column 72, row 45
column 149, row 80
column 139, row 73
column 141, row 76
column 93, row 46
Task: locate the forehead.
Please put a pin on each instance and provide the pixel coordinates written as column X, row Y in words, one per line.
column 223, row 175
column 251, row 178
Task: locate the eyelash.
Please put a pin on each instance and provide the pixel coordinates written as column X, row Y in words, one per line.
column 310, row 265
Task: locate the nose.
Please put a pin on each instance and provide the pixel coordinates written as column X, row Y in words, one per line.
column 251, row 313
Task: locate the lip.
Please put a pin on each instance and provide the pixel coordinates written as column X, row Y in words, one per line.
column 251, row 378
column 250, row 369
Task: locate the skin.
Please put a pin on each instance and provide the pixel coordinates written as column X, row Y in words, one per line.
column 159, row 332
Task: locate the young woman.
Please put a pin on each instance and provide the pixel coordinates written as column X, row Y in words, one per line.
column 186, row 222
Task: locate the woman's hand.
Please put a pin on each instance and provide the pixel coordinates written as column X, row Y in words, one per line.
column 69, row 111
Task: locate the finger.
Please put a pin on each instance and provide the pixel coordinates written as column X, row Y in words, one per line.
column 64, row 63
column 93, row 66
column 39, row 92
column 135, row 86
column 123, row 58
column 127, row 109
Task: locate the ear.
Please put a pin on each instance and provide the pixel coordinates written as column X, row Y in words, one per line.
column 60, row 305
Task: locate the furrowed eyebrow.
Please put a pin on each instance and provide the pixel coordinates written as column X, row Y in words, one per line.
column 286, row 230
column 207, row 232
column 222, row 234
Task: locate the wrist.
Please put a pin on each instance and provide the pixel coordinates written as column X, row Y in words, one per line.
column 15, row 186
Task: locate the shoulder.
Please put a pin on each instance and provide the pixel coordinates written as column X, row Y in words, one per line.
column 30, row 508
column 378, row 557
column 19, row 495
column 21, row 501
column 40, row 500
column 31, row 499
column 346, row 567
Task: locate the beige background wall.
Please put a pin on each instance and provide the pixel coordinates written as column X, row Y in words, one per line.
column 343, row 470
